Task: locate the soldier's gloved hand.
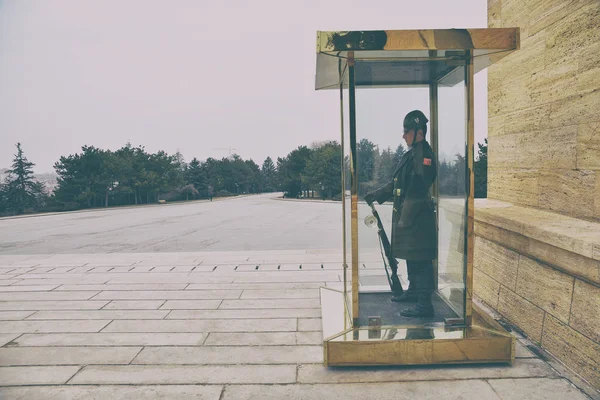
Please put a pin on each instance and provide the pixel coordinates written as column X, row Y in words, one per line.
column 369, row 198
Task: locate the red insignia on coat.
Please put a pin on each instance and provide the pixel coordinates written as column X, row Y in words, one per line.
column 427, row 161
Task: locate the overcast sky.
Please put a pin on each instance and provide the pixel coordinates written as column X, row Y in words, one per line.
column 198, row 76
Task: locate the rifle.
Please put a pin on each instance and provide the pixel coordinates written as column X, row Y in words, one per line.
column 389, row 261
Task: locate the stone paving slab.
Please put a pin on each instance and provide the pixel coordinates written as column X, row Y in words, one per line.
column 134, row 305
column 269, row 355
column 108, row 339
column 13, row 356
column 155, row 392
column 100, row 314
column 246, row 313
column 53, row 326
column 471, row 390
column 52, row 305
column 536, row 389
column 14, row 315
column 190, row 374
column 54, row 375
column 205, row 325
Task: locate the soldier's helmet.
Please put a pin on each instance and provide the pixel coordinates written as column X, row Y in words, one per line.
column 416, row 120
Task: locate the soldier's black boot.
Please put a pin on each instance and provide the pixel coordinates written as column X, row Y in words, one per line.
column 425, row 287
column 409, row 296
column 423, row 308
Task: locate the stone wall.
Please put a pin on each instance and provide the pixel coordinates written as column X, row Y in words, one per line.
column 541, row 272
column 544, row 107
column 537, row 236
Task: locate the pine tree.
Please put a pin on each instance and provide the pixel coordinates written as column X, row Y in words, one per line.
column 269, row 174
column 21, row 190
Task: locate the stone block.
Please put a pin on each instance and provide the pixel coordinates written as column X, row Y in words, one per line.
column 231, row 355
column 544, row 13
column 585, row 311
column 46, row 296
column 281, row 294
column 309, row 338
column 513, row 15
column 251, row 339
column 519, row 186
column 254, row 286
column 546, row 149
column 282, row 303
column 496, row 261
column 7, row 338
column 52, row 326
column 185, row 374
column 191, row 305
column 36, row 288
column 310, row 324
column 522, row 313
column 494, row 14
column 567, row 191
column 597, row 208
column 536, row 389
column 588, row 146
column 139, row 286
column 464, row 390
column 522, row 368
column 246, row 314
column 51, row 305
column 573, row 110
column 169, row 295
column 502, row 151
column 204, row 325
column 54, row 375
column 181, row 392
column 573, row 349
column 14, row 356
column 511, row 95
column 111, row 339
column 545, row 287
column 135, row 304
column 14, row 315
column 556, row 81
column 486, row 288
column 529, row 119
column 100, row 314
column 573, row 34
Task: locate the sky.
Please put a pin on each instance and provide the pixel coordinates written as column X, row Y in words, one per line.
column 201, row 77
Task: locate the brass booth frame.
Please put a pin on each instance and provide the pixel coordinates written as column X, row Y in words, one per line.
column 411, row 58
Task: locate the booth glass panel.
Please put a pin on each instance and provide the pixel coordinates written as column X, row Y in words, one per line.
column 452, row 190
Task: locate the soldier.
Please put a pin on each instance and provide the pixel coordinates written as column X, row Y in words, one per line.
column 414, row 230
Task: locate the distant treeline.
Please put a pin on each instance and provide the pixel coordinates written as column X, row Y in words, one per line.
column 131, row 175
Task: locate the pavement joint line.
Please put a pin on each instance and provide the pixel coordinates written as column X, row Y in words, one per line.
column 73, row 376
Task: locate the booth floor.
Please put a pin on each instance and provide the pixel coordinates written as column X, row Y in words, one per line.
column 380, row 305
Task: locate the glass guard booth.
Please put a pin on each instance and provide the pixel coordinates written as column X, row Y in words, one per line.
column 381, row 76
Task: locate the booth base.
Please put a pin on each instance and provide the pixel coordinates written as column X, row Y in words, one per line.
column 484, row 342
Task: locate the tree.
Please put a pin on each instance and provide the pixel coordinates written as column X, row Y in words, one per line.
column 269, row 175
column 291, row 168
column 20, row 190
column 480, row 170
column 323, row 169
column 366, row 155
column 400, row 151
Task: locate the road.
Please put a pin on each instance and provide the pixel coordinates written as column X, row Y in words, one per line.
column 256, row 222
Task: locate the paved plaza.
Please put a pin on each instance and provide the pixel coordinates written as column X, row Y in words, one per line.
column 135, row 322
